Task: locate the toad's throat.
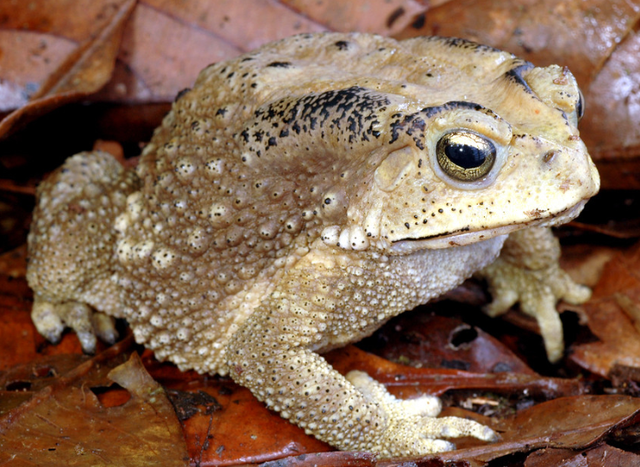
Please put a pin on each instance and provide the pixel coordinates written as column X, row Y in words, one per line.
column 466, row 236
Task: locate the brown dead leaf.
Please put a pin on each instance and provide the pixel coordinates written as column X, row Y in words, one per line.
column 427, row 340
column 610, row 314
column 328, row 459
column 236, row 428
column 65, row 424
column 571, row 422
column 405, row 381
column 37, row 36
column 600, row 456
column 568, row 422
column 577, row 33
column 165, row 43
column 610, row 128
column 39, row 372
column 84, row 71
column 361, row 15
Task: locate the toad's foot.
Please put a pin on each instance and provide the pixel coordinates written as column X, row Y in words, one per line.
column 412, row 426
column 528, row 272
column 51, row 319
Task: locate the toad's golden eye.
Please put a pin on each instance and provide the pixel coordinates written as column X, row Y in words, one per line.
column 465, row 155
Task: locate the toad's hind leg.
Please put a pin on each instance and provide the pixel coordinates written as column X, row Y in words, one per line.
column 273, row 355
column 71, row 248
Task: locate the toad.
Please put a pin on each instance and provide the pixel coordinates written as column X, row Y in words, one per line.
column 298, row 197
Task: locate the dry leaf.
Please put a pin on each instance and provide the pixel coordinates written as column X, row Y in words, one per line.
column 427, row 340
column 371, row 16
column 619, row 344
column 236, row 429
column 84, row 71
column 568, row 422
column 611, row 125
column 65, row 424
column 601, row 456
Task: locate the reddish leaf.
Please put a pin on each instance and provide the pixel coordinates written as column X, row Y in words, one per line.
column 610, row 126
column 425, row 340
column 570, row 422
column 65, row 424
column 237, row 429
column 361, row 15
column 617, row 291
column 407, row 381
column 601, row 456
column 83, row 72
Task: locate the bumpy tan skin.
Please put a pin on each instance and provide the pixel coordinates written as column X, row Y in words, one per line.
column 292, row 203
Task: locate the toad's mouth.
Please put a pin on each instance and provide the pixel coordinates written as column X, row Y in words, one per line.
column 466, row 236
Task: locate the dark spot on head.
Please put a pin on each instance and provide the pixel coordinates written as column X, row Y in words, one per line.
column 342, row 45
column 221, row 111
column 279, row 64
column 515, row 75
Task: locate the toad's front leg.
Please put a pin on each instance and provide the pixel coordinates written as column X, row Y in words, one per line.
column 528, row 271
column 273, row 355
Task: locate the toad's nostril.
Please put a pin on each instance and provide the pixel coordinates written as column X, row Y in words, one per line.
column 549, row 156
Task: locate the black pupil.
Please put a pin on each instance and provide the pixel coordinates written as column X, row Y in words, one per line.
column 465, row 156
column 580, row 108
